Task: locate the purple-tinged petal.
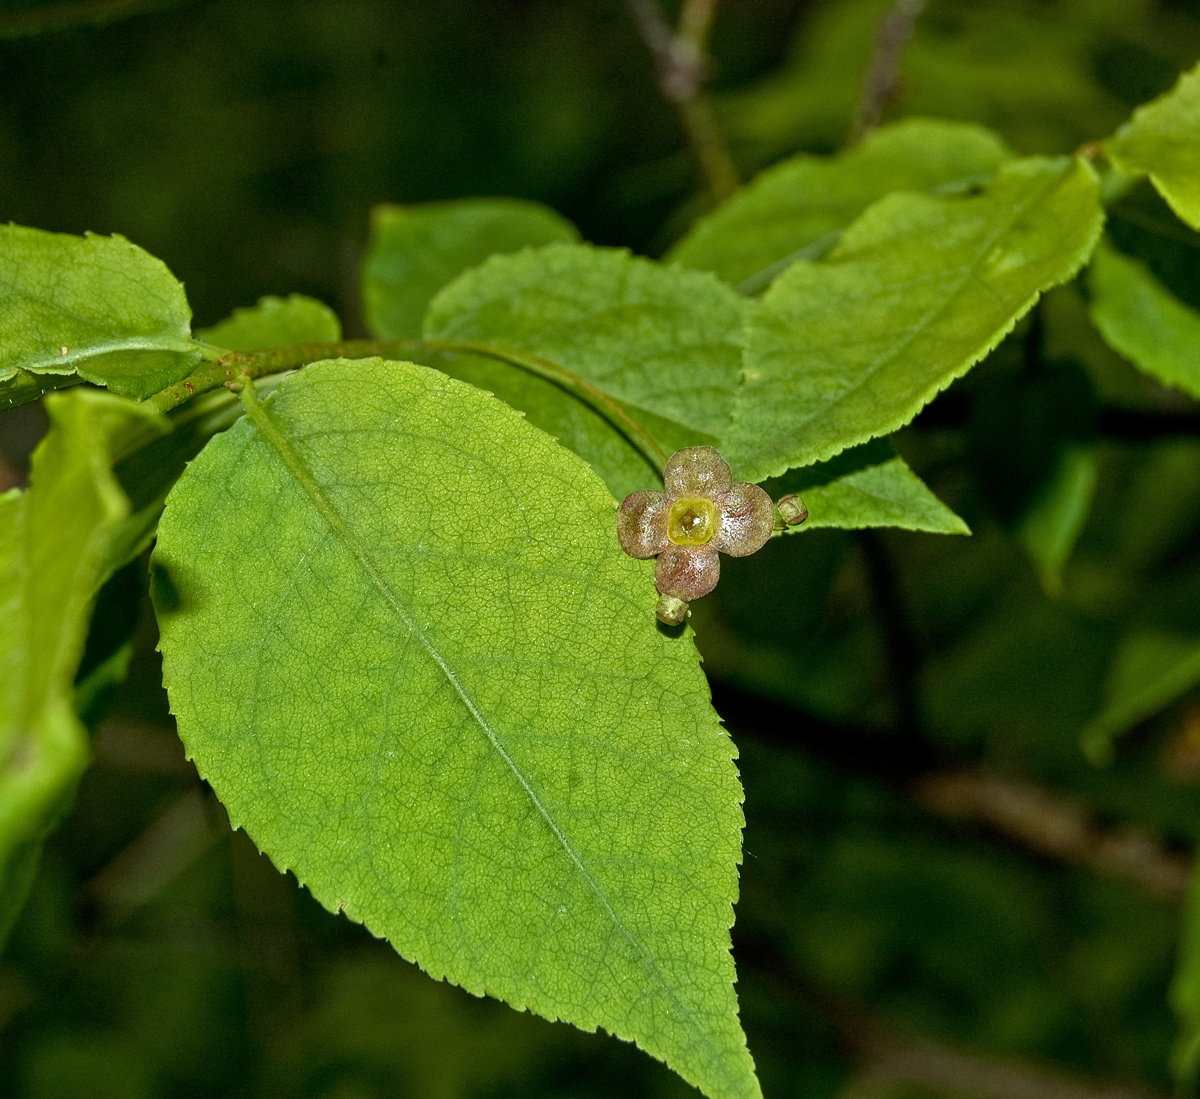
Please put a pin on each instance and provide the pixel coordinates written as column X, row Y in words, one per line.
column 746, row 519
column 687, row 571
column 642, row 523
column 697, row 471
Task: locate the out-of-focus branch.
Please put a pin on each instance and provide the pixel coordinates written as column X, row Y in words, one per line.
column 683, row 69
column 1036, row 819
column 888, row 1061
column 886, row 1056
column 882, row 81
column 1057, row 827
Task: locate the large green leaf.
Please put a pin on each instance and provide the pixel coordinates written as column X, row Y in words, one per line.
column 918, row 290
column 867, row 486
column 416, row 250
column 434, row 688
column 660, row 339
column 58, row 543
column 275, row 322
column 1162, row 140
column 1144, row 321
column 796, row 205
column 95, row 306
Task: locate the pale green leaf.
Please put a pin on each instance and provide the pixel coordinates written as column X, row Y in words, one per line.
column 796, row 205
column 660, row 339
column 434, row 688
column 1162, row 140
column 416, row 250
column 275, row 322
column 95, row 306
column 1143, row 320
column 58, row 543
column 1056, row 519
column 1150, row 671
column 918, row 290
column 867, row 486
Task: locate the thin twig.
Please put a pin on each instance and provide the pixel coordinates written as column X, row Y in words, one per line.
column 695, row 22
column 888, row 1057
column 1046, row 822
column 683, row 69
column 881, row 84
column 224, row 369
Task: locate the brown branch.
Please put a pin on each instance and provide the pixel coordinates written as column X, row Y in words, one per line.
column 888, row 1061
column 683, row 69
column 881, row 83
column 1048, row 823
column 887, row 1056
column 1058, row 828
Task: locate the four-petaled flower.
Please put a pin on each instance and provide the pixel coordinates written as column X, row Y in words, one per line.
column 700, row 513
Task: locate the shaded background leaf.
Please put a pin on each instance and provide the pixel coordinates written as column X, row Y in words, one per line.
column 798, row 204
column 275, row 322
column 661, row 339
column 416, row 250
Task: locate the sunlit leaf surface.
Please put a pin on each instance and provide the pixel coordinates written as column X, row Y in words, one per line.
column 404, row 647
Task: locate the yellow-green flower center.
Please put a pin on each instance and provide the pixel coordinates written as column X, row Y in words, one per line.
column 692, row 521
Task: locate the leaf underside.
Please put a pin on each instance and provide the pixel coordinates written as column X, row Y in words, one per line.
column 866, row 486
column 406, row 651
column 99, row 307
column 918, row 290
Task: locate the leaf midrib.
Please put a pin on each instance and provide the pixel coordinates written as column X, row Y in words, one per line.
column 299, row 470
column 923, row 324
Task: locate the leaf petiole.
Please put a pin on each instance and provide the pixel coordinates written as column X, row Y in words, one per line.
column 227, row 368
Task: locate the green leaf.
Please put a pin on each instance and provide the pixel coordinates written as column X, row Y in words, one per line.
column 95, row 306
column 867, row 486
column 21, row 386
column 1185, row 994
column 58, row 543
column 1162, row 140
column 1150, row 671
column 659, row 339
column 1144, row 321
column 573, row 422
column 416, row 250
column 275, row 322
column 796, row 205
column 1057, row 517
column 434, row 689
column 919, row 289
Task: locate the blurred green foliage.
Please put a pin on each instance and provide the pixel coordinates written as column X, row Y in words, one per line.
column 245, row 143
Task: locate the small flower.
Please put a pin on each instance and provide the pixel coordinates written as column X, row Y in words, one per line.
column 699, row 513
